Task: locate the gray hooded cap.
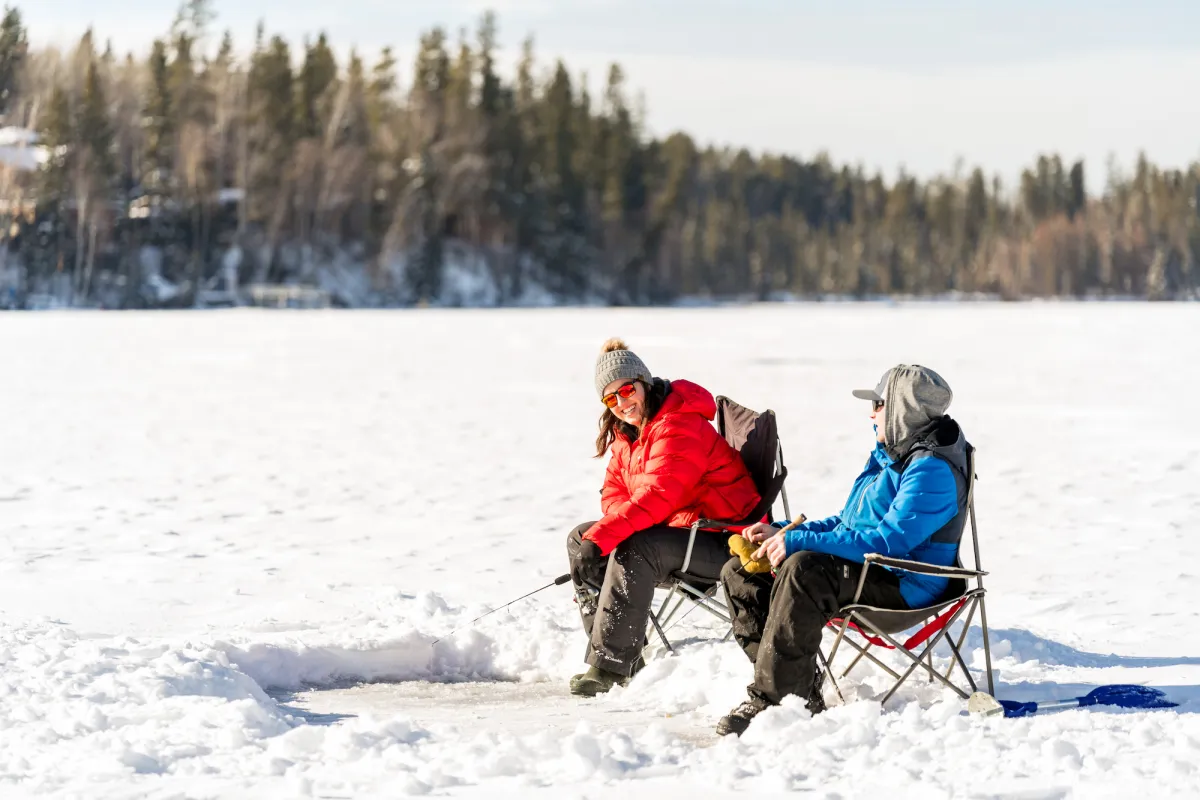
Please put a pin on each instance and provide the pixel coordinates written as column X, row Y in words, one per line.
column 619, row 365
column 913, row 397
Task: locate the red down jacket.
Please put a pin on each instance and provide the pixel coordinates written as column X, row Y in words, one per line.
column 679, row 470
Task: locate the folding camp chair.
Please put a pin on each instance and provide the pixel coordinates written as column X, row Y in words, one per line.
column 755, row 436
column 876, row 626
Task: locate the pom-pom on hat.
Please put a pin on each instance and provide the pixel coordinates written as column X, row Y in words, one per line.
column 617, row 362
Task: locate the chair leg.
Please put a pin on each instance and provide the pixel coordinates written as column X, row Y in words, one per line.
column 957, row 646
column 713, row 609
column 962, row 665
column 703, row 599
column 862, row 652
column 667, row 599
column 854, row 663
column 987, row 649
column 966, row 625
column 661, row 634
column 833, row 654
column 918, row 660
column 829, row 674
column 962, row 638
column 674, row 610
column 729, row 610
column 840, row 635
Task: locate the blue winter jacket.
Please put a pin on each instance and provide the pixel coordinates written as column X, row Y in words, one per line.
column 893, row 514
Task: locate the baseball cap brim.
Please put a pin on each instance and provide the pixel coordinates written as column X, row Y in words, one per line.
column 867, row 394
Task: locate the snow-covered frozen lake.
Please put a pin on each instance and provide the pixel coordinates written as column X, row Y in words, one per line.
column 228, row 541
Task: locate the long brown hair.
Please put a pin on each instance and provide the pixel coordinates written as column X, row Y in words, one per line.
column 610, row 426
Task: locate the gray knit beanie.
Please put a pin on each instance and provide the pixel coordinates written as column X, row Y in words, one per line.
column 617, row 362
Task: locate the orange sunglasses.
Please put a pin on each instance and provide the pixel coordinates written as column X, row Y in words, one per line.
column 626, row 391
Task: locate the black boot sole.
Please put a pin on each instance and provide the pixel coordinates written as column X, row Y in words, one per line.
column 734, row 725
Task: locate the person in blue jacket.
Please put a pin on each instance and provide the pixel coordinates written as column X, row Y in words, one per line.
column 910, row 502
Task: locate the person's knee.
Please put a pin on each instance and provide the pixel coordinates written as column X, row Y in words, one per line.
column 643, row 547
column 575, row 537
column 633, row 546
column 810, row 578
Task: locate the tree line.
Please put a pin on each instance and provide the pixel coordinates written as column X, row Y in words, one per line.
column 300, row 160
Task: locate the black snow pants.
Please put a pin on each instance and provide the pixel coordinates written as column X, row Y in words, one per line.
column 616, row 627
column 778, row 621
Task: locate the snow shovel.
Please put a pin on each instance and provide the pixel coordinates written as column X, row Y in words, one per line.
column 1121, row 695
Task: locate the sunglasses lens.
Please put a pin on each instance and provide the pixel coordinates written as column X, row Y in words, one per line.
column 626, row 391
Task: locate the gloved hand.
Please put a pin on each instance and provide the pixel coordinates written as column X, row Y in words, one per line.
column 588, row 566
column 741, row 547
column 761, row 547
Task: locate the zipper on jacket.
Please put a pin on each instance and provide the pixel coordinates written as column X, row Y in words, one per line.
column 863, row 495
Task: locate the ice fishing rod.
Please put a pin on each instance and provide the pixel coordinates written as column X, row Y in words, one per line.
column 559, row 581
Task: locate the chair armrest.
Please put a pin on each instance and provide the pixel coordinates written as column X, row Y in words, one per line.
column 921, row 568
column 716, row 525
column 700, row 524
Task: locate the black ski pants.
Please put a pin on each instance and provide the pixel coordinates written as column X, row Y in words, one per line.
column 778, row 621
column 616, row 626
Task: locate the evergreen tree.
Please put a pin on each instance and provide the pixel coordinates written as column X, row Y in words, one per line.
column 57, row 133
column 90, row 174
column 460, row 80
column 384, row 159
column 158, row 120
column 1077, row 194
column 419, row 228
column 317, row 76
column 271, row 136
column 489, row 81
column 564, row 254
column 96, row 133
column 14, row 46
column 381, row 91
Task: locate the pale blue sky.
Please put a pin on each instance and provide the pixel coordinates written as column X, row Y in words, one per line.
column 880, row 82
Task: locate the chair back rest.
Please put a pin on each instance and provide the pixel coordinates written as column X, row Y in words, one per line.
column 971, row 476
column 755, row 435
column 957, row 587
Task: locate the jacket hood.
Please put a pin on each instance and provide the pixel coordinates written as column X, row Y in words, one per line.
column 915, row 396
column 942, row 437
column 685, row 397
column 679, row 397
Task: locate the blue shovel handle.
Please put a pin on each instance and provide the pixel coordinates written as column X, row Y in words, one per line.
column 1120, row 695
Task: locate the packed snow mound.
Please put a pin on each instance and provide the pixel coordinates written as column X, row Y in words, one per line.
column 109, row 709
column 405, row 639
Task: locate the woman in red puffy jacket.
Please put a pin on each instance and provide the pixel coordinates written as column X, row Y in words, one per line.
column 668, row 467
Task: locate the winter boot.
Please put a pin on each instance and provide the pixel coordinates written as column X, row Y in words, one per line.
column 596, row 681
column 738, row 720
column 816, row 699
column 638, row 665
